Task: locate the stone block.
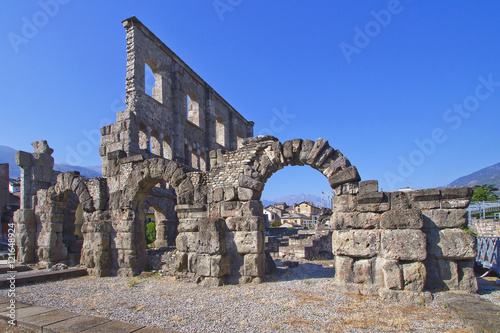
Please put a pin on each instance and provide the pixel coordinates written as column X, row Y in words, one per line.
column 296, row 149
column 399, row 200
column 344, row 203
column 368, row 186
column 249, row 182
column 177, row 177
column 458, row 197
column 316, row 150
column 203, row 264
column 254, row 264
column 245, row 194
column 181, row 263
column 403, row 244
column 23, row 158
column 363, row 271
column 230, row 208
column 466, row 278
column 373, row 202
column 371, row 197
column 448, row 273
column 328, row 155
column 123, row 240
column 211, row 224
column 187, row 242
column 337, row 165
column 356, row 243
column 305, row 150
column 451, row 244
column 245, row 223
column 355, row 220
column 247, row 241
column 414, row 275
column 188, row 225
column 211, row 242
column 344, row 269
column 457, row 193
column 392, row 274
column 347, row 175
column 445, row 218
column 402, row 219
column 252, row 208
column 454, row 203
column 220, row 265
column 218, row 194
column 230, row 194
column 288, row 152
column 425, row 199
column 193, row 262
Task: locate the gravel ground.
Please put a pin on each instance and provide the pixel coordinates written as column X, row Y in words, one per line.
column 302, row 299
column 489, row 289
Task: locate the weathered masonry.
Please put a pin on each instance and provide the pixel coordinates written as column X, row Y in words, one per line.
column 182, row 120
column 388, row 243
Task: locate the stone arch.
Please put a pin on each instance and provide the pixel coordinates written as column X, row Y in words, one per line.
column 56, row 240
column 129, row 243
column 244, row 173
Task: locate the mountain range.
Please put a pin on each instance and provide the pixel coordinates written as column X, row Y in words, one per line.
column 488, row 175
column 8, row 155
column 294, row 198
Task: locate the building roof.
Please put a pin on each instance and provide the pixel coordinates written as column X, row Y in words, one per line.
column 295, row 216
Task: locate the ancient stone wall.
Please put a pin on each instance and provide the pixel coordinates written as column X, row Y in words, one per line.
column 403, row 241
column 183, row 119
column 388, row 243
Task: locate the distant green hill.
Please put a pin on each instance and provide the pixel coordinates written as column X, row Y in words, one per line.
column 489, row 175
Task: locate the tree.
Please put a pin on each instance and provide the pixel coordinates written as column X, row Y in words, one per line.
column 275, row 224
column 150, row 232
column 485, row 192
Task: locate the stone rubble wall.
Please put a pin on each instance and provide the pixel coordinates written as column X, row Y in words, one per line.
column 486, row 227
column 176, row 135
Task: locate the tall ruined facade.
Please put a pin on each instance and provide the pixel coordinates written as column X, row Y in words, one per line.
column 188, row 154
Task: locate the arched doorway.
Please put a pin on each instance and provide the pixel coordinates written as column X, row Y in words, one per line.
column 244, row 173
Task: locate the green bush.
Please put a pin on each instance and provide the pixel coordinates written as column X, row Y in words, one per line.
column 275, row 224
column 150, row 232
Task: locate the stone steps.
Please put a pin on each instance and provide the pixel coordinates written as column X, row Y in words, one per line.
column 37, row 276
column 44, row 319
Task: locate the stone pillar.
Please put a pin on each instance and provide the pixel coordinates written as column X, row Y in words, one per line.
column 36, row 174
column 166, row 232
column 25, row 235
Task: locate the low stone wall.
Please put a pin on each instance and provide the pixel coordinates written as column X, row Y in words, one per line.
column 389, row 242
column 486, row 228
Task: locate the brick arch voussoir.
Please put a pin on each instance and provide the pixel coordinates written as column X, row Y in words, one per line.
column 320, row 156
column 72, row 182
column 148, row 173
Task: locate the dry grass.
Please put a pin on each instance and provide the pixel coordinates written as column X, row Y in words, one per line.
column 308, row 297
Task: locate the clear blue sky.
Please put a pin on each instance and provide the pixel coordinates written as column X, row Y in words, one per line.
column 374, row 78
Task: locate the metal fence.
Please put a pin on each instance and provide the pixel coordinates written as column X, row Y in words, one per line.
column 482, row 208
column 488, row 252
